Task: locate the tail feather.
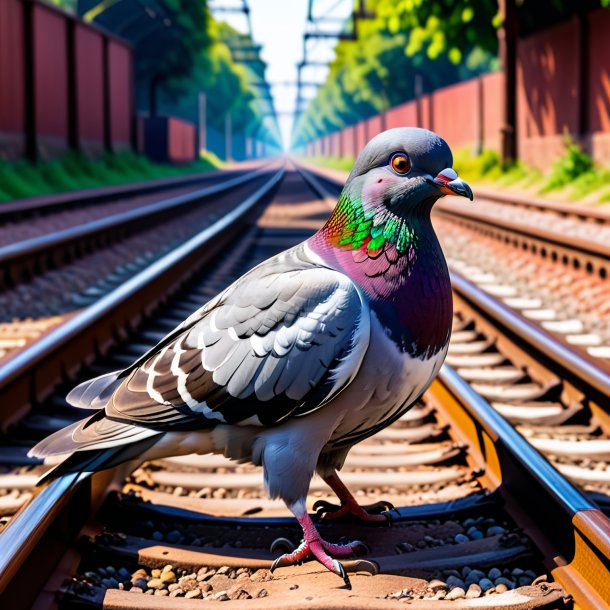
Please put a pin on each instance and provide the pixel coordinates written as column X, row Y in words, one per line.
column 94, row 393
column 95, row 432
column 92, row 460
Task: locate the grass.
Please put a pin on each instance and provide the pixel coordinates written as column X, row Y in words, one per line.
column 341, row 163
column 74, row 171
column 573, row 175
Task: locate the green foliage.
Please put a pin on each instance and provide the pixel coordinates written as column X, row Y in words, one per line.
column 450, row 29
column 169, row 58
column 475, row 168
column 167, row 36
column 22, row 179
column 571, row 165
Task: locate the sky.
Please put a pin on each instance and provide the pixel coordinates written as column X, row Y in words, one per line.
column 279, row 26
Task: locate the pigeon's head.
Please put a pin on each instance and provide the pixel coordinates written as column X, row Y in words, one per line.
column 405, row 169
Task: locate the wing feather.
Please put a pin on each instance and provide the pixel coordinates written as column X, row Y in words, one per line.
column 280, row 341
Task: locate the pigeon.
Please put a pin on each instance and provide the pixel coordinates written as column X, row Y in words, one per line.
column 307, row 354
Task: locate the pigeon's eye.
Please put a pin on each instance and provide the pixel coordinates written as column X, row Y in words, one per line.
column 400, row 163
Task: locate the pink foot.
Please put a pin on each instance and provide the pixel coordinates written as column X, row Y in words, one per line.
column 321, row 550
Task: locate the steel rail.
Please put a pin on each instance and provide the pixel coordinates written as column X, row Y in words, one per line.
column 30, row 525
column 29, row 248
column 564, row 494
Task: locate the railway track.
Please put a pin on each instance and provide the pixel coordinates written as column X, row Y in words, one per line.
column 483, row 521
column 57, row 271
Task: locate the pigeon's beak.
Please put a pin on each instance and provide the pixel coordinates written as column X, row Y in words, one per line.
column 448, row 183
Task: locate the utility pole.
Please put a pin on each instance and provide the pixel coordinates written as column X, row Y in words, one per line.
column 507, row 38
column 419, row 94
column 203, row 145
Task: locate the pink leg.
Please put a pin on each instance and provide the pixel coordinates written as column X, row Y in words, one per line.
column 314, row 545
column 349, row 506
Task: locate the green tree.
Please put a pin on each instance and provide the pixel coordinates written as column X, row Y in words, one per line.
column 167, row 37
column 228, row 87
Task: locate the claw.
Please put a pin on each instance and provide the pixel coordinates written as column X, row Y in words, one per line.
column 359, row 548
column 276, row 564
column 391, row 516
column 373, row 513
column 320, row 549
column 329, row 512
column 324, row 506
column 379, row 507
column 340, row 571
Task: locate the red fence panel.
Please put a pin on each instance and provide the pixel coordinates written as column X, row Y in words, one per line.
column 599, row 85
column 89, row 76
column 120, row 94
column 547, row 92
column 181, row 140
column 330, row 145
column 456, row 113
column 361, row 137
column 175, row 140
column 348, row 138
column 12, row 86
column 426, row 118
column 404, row 115
column 49, row 29
column 374, row 126
column 493, row 110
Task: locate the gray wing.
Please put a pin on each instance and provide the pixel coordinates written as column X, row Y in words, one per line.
column 281, row 341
